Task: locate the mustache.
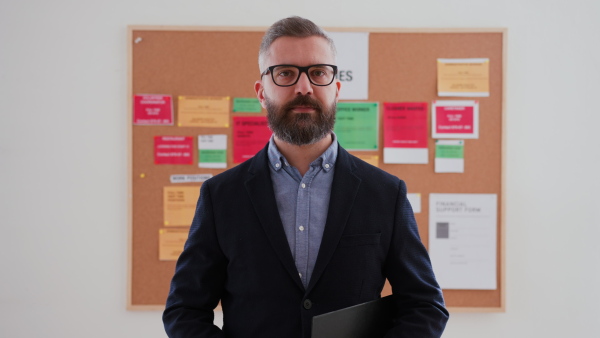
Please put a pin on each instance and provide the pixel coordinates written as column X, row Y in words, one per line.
column 303, row 100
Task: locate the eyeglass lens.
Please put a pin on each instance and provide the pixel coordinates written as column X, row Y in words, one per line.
column 288, row 75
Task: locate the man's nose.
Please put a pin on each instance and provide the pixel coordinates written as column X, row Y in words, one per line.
column 303, row 86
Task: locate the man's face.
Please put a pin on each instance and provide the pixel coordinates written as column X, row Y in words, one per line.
column 302, row 113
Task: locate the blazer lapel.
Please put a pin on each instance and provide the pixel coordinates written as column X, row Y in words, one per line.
column 343, row 192
column 260, row 190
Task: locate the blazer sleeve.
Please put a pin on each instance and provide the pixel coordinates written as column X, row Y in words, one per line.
column 419, row 301
column 197, row 285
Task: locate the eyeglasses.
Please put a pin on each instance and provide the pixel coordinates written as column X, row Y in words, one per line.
column 288, row 75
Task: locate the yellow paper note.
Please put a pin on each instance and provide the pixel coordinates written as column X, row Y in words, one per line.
column 203, row 111
column 464, row 77
column 170, row 243
column 371, row 159
column 179, row 205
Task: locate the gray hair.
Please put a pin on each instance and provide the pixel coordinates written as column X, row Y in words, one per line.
column 293, row 26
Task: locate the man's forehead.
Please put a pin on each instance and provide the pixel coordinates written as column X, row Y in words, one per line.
column 316, row 48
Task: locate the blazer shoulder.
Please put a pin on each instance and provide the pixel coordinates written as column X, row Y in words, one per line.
column 230, row 174
column 241, row 172
column 369, row 172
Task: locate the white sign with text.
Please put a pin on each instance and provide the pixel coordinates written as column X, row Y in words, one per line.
column 353, row 64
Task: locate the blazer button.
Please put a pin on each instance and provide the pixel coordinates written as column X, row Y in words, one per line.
column 307, row 304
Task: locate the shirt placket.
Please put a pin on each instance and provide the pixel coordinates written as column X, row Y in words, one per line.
column 303, row 225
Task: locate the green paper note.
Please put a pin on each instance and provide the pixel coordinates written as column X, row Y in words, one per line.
column 449, row 156
column 212, row 155
column 450, row 150
column 212, row 151
column 246, row 105
column 357, row 125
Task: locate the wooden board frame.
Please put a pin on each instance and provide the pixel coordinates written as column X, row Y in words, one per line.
column 499, row 305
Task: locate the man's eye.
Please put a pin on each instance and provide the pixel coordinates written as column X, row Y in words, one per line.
column 318, row 73
column 285, row 73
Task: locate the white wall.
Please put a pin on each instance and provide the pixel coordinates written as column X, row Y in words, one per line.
column 63, row 155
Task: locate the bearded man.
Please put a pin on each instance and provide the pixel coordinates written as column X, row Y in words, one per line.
column 302, row 228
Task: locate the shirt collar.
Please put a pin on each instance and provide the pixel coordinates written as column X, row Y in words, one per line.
column 326, row 160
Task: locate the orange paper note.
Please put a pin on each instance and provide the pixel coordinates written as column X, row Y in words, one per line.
column 464, row 77
column 179, row 205
column 371, row 159
column 203, row 111
column 170, row 243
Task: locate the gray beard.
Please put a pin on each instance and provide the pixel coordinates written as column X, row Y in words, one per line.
column 300, row 128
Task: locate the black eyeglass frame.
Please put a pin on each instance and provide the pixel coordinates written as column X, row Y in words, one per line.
column 300, row 71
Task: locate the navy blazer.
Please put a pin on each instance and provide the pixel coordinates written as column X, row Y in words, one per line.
column 237, row 253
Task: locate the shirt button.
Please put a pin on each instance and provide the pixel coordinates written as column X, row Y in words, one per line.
column 303, row 185
column 300, row 274
column 277, row 165
column 307, row 304
column 326, row 166
column 301, row 228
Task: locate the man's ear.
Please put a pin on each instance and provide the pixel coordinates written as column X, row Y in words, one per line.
column 260, row 93
column 338, row 85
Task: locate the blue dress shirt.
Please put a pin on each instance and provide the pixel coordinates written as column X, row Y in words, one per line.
column 303, row 203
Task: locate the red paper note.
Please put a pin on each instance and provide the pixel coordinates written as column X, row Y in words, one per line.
column 173, row 149
column 152, row 110
column 455, row 119
column 250, row 134
column 405, row 133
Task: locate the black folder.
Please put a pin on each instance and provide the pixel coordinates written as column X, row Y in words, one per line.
column 367, row 320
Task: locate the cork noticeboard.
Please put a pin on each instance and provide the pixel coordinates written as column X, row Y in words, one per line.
column 217, row 61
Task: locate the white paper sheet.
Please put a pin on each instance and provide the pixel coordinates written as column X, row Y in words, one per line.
column 212, row 151
column 415, row 202
column 449, row 156
column 353, row 64
column 406, row 155
column 190, row 178
column 462, row 240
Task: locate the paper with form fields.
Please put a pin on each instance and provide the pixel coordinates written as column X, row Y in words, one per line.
column 462, row 240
